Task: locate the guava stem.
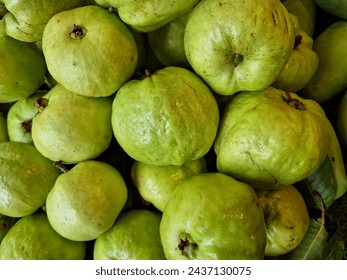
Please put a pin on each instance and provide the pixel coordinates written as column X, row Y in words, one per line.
column 293, row 102
column 297, row 42
column 187, row 247
column 77, row 32
column 27, row 126
column 61, row 166
column 236, row 60
column 148, row 72
column 41, row 103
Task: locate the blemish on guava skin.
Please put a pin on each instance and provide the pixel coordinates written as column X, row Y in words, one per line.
column 297, row 42
column 77, row 32
column 26, row 125
column 293, row 102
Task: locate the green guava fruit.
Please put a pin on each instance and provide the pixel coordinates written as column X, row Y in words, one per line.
column 336, row 8
column 6, row 223
column 19, row 118
column 149, row 15
column 270, row 138
column 245, row 51
column 305, row 11
column 22, row 68
column 330, row 79
column 134, row 236
column 86, row 200
column 286, row 218
column 89, row 50
column 167, row 42
column 302, row 63
column 70, row 127
column 341, row 121
column 3, row 129
column 26, row 178
column 156, row 183
column 26, row 19
column 33, row 238
column 168, row 117
column 212, row 216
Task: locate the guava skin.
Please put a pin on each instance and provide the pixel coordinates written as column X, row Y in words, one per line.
column 286, row 218
column 60, row 132
column 167, row 42
column 134, row 236
column 336, row 8
column 159, row 124
column 305, row 11
column 149, row 15
column 330, row 79
column 19, row 118
column 156, row 183
column 261, row 134
column 22, row 68
column 26, row 178
column 26, row 19
column 89, row 50
column 302, row 63
column 86, row 200
column 212, row 216
column 242, row 52
column 33, row 238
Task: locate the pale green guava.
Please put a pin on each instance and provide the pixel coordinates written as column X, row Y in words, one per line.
column 70, row 127
column 212, row 216
column 271, row 137
column 3, row 129
column 26, row 178
column 134, row 236
column 238, row 45
column 22, row 68
column 26, row 19
column 330, row 79
column 302, row 63
column 286, row 218
column 305, row 11
column 19, row 118
column 33, row 238
column 156, row 183
column 168, row 117
column 149, row 15
column 167, row 42
column 89, row 50
column 86, row 200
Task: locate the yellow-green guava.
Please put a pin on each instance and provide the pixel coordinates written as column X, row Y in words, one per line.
column 33, row 238
column 286, row 218
column 19, row 118
column 167, row 117
column 26, row 19
column 238, row 45
column 134, row 236
column 270, row 138
column 69, row 127
column 156, row 183
column 26, row 178
column 22, row 68
column 86, row 200
column 212, row 216
column 89, row 50
column 149, row 15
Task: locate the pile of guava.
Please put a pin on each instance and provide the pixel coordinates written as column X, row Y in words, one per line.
column 171, row 130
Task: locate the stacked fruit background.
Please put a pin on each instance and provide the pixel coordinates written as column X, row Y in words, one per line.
column 153, row 130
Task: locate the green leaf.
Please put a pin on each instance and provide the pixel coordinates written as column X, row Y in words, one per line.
column 334, row 248
column 321, row 181
column 313, row 243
